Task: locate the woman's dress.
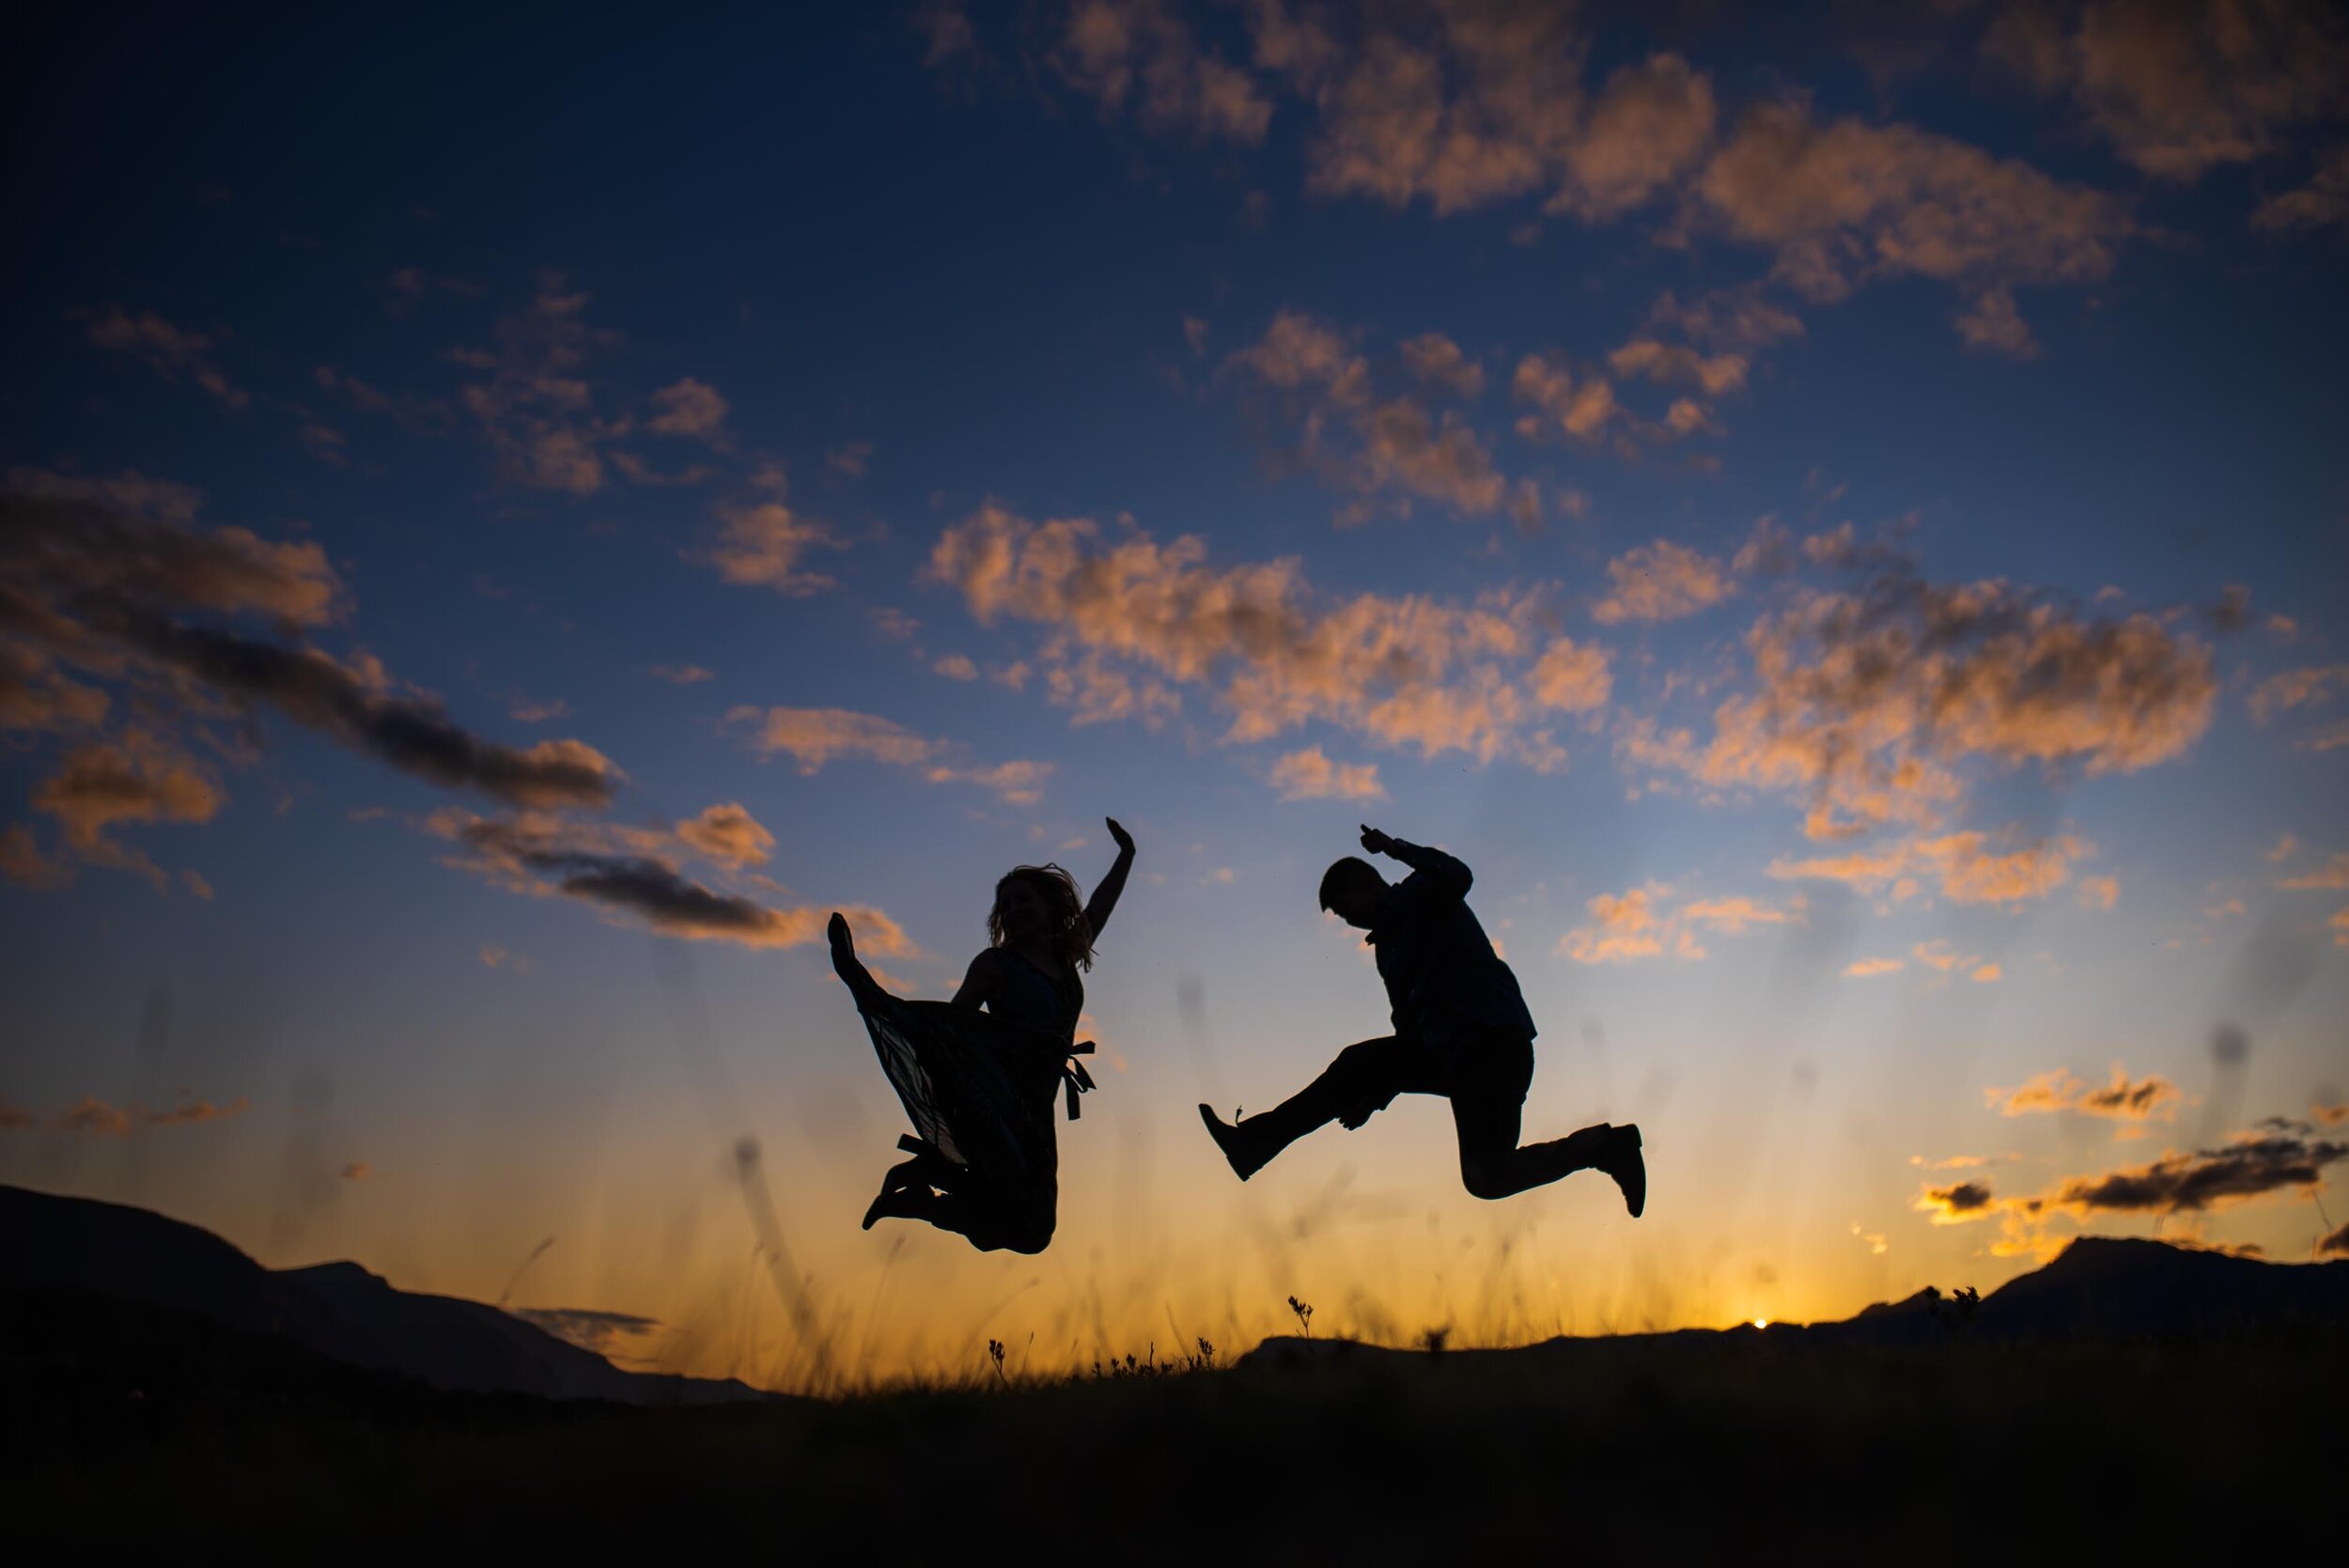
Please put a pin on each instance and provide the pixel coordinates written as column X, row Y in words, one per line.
column 979, row 1088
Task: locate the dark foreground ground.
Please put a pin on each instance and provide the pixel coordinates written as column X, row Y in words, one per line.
column 127, row 1428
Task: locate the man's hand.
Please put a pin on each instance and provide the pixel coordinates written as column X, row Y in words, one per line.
column 843, row 947
column 1377, row 842
column 1125, row 840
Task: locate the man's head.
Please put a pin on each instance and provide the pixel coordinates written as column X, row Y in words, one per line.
column 1353, row 891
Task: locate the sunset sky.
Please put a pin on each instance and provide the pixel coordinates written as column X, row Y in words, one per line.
column 507, row 520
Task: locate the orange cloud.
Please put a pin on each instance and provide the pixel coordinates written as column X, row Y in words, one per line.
column 2333, row 874
column 1096, row 691
column 190, row 1111
column 1870, row 704
column 1397, row 445
column 1573, row 677
column 1309, row 775
column 92, row 1115
column 1968, row 867
column 1733, row 915
column 1435, row 359
column 1637, row 924
column 23, row 863
column 1842, row 203
column 1676, row 362
column 1660, row 581
column 136, row 779
column 1140, row 55
column 761, row 546
column 813, row 737
column 1648, row 126
column 1938, row 955
column 1581, row 409
column 1462, row 106
column 1863, row 968
column 1992, row 322
column 36, row 695
column 2182, row 89
column 727, row 835
column 535, row 406
column 2124, row 1099
column 693, row 409
column 2323, row 202
column 2099, row 893
column 1405, row 672
column 2306, row 686
column 1625, row 927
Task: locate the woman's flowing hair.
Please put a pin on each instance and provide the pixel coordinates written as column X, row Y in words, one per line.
column 1072, row 933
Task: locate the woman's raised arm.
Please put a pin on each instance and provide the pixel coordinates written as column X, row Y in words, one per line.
column 1105, row 894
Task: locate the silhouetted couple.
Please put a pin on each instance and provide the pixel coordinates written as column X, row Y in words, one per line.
column 980, row 1086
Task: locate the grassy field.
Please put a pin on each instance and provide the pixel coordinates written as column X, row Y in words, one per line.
column 1674, row 1452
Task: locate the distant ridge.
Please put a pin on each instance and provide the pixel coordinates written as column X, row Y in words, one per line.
column 2099, row 1288
column 49, row 1242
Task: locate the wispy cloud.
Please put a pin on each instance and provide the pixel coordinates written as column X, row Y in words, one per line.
column 814, row 736
column 635, row 876
column 1639, row 922
column 2123, row 1099
column 171, row 351
column 94, row 1117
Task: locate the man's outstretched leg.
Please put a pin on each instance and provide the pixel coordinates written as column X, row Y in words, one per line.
column 1504, row 1171
column 1354, row 1088
column 1487, row 1105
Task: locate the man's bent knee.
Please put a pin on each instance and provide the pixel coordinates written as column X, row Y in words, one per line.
column 1484, row 1181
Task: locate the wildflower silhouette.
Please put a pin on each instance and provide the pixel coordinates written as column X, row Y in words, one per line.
column 1304, row 1311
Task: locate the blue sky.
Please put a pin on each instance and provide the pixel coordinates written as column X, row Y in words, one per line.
column 1781, row 507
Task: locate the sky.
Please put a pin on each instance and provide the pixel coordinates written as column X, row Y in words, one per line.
column 508, row 519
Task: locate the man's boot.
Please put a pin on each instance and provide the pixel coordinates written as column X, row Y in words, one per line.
column 1244, row 1147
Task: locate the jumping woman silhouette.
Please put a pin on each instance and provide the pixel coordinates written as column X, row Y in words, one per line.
column 979, row 1085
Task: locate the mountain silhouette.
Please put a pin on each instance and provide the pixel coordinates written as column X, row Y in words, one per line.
column 338, row 1309
column 2099, row 1288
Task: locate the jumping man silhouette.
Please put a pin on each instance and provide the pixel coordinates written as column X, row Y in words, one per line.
column 1461, row 1030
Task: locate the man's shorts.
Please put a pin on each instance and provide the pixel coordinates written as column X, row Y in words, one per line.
column 1482, row 1075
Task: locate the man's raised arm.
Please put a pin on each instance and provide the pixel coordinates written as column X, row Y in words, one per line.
column 1444, row 874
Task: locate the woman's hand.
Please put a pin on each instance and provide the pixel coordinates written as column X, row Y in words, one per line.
column 1125, row 840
